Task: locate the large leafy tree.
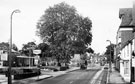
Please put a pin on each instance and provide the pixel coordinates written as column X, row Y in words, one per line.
column 66, row 31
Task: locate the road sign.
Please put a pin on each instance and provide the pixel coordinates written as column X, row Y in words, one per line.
column 36, row 51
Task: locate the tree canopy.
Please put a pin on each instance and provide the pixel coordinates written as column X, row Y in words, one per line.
column 28, row 48
column 45, row 50
column 5, row 46
column 65, row 30
column 110, row 51
column 90, row 50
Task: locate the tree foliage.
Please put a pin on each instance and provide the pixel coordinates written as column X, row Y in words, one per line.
column 66, row 31
column 110, row 51
column 45, row 50
column 28, row 48
column 5, row 46
column 90, row 50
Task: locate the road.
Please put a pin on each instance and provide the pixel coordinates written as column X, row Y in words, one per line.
column 75, row 77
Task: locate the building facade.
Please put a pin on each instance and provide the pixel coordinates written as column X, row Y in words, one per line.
column 124, row 43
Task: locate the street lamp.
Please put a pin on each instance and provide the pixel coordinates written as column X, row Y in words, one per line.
column 110, row 56
column 10, row 48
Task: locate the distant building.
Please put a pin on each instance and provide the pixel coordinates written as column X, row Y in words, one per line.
column 76, row 59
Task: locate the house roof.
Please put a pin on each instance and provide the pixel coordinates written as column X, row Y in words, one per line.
column 126, row 15
column 126, row 43
column 126, row 37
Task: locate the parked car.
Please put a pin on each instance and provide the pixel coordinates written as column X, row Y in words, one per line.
column 83, row 66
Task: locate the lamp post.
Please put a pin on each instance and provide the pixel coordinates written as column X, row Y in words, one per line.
column 110, row 57
column 10, row 48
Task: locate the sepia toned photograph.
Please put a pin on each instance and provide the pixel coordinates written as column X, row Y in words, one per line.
column 67, row 42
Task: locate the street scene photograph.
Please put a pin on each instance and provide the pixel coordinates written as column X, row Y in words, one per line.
column 67, row 42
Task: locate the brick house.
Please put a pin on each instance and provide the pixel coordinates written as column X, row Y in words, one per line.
column 124, row 43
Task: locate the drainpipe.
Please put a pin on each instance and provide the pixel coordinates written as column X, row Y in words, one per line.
column 131, row 64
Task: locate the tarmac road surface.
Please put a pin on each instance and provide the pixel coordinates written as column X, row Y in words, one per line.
column 75, row 77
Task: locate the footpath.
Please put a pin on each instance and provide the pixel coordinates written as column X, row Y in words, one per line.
column 49, row 74
column 114, row 77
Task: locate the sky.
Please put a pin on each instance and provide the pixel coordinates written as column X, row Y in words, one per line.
column 103, row 13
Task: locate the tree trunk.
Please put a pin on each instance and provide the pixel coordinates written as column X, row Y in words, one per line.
column 58, row 59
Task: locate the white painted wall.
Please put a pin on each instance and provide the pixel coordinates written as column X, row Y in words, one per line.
column 125, row 64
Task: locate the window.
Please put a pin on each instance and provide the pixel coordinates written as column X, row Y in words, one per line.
column 127, row 50
column 124, row 52
column 133, row 44
column 126, row 67
column 119, row 34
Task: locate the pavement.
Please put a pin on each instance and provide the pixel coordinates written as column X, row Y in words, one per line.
column 48, row 74
column 114, row 77
column 44, row 75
